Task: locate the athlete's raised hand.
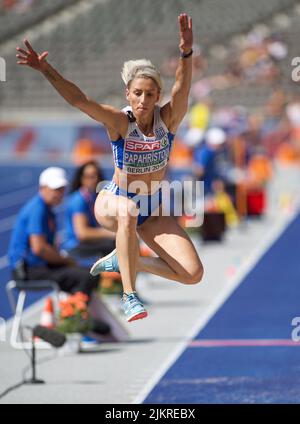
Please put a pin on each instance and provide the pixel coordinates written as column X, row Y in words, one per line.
column 185, row 32
column 30, row 58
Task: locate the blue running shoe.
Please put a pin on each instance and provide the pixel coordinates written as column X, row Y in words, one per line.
column 133, row 307
column 107, row 263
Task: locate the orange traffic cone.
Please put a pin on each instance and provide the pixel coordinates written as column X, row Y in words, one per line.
column 47, row 317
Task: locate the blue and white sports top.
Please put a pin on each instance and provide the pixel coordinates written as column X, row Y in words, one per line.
column 138, row 154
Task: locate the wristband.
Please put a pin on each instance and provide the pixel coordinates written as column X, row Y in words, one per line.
column 185, row 55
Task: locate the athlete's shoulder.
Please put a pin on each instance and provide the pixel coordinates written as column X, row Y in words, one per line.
column 116, row 135
column 36, row 203
column 163, row 117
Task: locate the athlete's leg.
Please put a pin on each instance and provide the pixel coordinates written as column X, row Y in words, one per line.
column 178, row 259
column 127, row 242
column 119, row 214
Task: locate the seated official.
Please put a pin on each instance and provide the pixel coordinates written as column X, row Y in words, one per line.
column 32, row 251
column 84, row 237
column 207, row 158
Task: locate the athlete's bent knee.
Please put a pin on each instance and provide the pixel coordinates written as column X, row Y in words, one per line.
column 195, row 277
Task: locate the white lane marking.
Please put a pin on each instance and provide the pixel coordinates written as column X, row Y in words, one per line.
column 7, row 223
column 15, row 197
column 3, row 262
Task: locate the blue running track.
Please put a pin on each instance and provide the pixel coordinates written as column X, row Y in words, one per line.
column 245, row 353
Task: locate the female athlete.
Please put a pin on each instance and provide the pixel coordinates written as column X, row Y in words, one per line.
column 141, row 135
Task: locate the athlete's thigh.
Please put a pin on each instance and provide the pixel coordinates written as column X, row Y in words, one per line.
column 109, row 207
column 171, row 243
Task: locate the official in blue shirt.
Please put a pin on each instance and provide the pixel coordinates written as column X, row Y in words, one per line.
column 83, row 235
column 206, row 158
column 32, row 251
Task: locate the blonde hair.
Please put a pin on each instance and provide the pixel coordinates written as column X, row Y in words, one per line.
column 140, row 68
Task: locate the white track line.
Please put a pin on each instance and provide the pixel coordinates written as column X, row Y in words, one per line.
column 267, row 242
column 15, row 197
column 7, row 223
column 3, row 262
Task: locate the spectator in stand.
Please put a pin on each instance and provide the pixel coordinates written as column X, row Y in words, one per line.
column 8, row 5
column 17, row 6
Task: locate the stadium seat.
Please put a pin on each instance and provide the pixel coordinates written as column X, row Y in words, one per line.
column 107, row 33
column 17, row 305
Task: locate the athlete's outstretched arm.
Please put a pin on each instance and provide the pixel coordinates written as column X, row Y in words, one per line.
column 109, row 116
column 174, row 111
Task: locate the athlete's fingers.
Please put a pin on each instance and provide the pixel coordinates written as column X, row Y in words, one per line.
column 190, row 24
column 28, row 45
column 43, row 56
column 184, row 21
column 180, row 20
column 19, row 56
column 22, row 51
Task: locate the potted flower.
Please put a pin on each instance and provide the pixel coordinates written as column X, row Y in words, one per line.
column 74, row 319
